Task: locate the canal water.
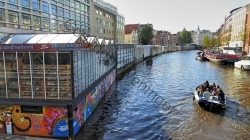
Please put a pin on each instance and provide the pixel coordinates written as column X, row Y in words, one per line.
column 130, row 113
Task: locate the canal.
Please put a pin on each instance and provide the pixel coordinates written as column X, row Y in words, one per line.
column 130, row 113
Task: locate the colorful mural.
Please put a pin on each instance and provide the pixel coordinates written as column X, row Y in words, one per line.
column 52, row 121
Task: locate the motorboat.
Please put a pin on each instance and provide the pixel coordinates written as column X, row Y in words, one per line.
column 242, row 64
column 212, row 103
column 149, row 61
column 199, row 55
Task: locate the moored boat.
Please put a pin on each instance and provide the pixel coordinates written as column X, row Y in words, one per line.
column 243, row 64
column 199, row 55
column 149, row 61
column 221, row 58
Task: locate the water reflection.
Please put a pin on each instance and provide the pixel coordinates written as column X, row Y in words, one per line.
column 129, row 114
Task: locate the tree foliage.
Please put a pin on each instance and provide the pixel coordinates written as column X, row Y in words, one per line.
column 206, row 41
column 146, row 34
column 242, row 36
column 218, row 41
column 185, row 36
column 212, row 41
column 227, row 39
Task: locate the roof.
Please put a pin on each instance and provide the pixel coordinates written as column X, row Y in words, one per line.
column 41, row 38
column 130, row 27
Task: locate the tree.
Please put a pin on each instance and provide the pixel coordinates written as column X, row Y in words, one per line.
column 242, row 36
column 213, row 41
column 227, row 39
column 206, row 41
column 185, row 36
column 218, row 41
column 146, row 34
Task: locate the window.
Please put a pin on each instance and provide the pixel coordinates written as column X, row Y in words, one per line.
column 25, row 3
column 61, row 26
column 25, row 21
column 77, row 5
column 13, row 17
column 67, row 2
column 1, row 4
column 13, row 1
column 60, row 10
column 100, row 12
column 53, row 9
column 66, row 13
column 100, row 30
column 54, row 24
column 1, row 15
column 45, row 7
column 36, row 4
column 45, row 24
column 97, row 11
column 60, row 1
column 73, row 15
column 72, row 3
column 12, row 6
column 78, row 18
column 82, row 18
column 97, row 20
column 37, row 22
column 82, row 7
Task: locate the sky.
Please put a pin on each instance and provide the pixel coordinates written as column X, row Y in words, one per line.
column 174, row 15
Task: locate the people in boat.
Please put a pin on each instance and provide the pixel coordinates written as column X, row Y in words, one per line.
column 206, row 85
column 212, row 86
column 215, row 91
column 207, row 94
column 221, row 96
column 200, row 91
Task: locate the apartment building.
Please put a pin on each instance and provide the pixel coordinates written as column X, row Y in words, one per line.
column 106, row 22
column 120, row 33
column 44, row 16
column 198, row 35
column 131, row 34
column 161, row 38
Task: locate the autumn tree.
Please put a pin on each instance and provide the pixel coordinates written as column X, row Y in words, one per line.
column 146, row 34
column 185, row 36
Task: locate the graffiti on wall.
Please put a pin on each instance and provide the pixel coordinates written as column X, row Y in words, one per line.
column 52, row 121
column 92, row 99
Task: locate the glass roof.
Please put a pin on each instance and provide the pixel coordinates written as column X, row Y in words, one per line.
column 50, row 38
column 19, row 39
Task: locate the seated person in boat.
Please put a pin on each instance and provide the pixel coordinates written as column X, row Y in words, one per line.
column 206, row 85
column 215, row 91
column 200, row 91
column 207, row 94
column 212, row 86
column 221, row 96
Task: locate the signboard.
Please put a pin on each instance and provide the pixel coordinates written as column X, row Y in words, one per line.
column 43, row 47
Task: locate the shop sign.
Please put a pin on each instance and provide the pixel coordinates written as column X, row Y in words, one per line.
column 43, row 47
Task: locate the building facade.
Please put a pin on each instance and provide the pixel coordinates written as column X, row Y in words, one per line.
column 106, row 22
column 198, row 36
column 161, row 38
column 42, row 16
column 120, row 33
column 131, row 34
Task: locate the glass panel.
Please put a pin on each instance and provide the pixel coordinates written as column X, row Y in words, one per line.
column 54, row 24
column 19, row 39
column 1, row 15
column 25, row 75
column 64, row 75
column 62, row 38
column 36, row 4
column 51, row 79
column 46, row 24
column 60, row 12
column 13, row 1
column 47, row 38
column 25, row 3
column 36, row 38
column 13, row 17
column 45, row 7
column 1, row 4
column 26, row 21
column 2, row 77
column 38, row 75
column 37, row 22
column 53, row 9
